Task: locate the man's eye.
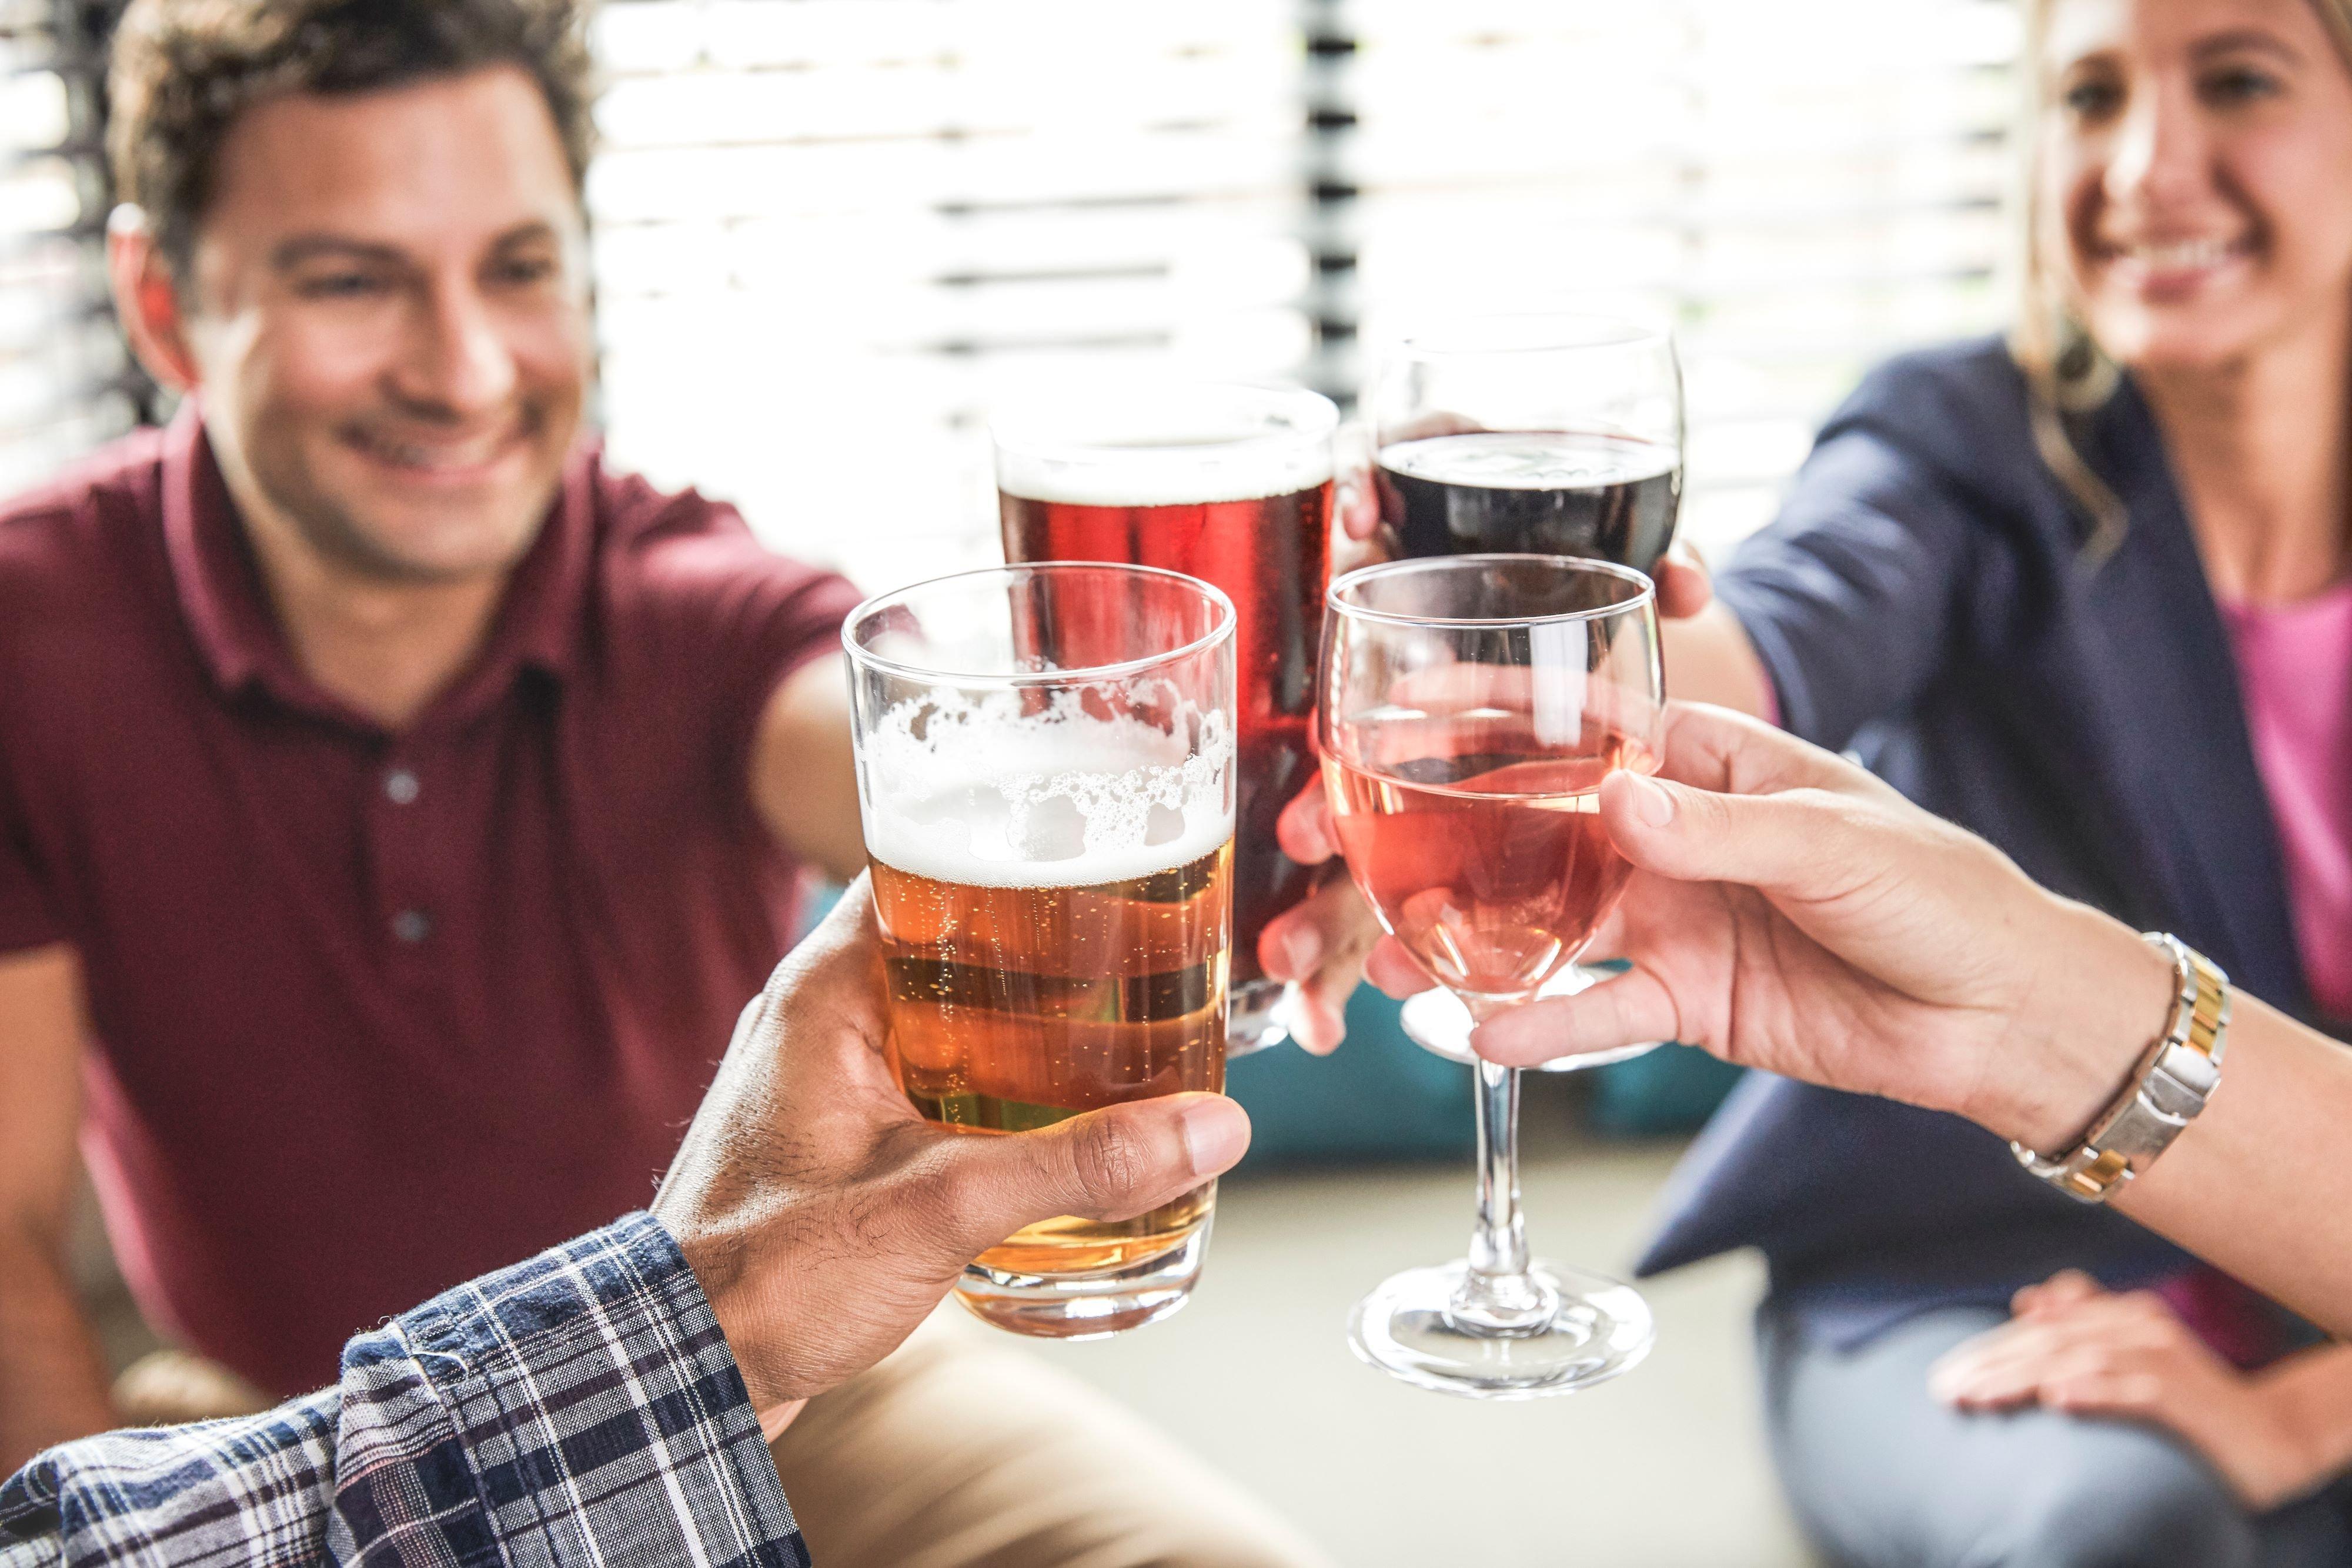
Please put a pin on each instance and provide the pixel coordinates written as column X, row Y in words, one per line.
column 340, row 285
column 2092, row 99
column 521, row 274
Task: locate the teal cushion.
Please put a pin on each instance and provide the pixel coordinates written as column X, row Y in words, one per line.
column 1382, row 1097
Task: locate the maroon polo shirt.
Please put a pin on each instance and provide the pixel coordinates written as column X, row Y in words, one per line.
column 376, row 1012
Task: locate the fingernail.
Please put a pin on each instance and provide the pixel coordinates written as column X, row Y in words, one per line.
column 1653, row 801
column 1302, row 949
column 1215, row 1133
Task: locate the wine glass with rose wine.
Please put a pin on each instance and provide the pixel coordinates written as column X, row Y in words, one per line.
column 1543, row 432
column 1472, row 705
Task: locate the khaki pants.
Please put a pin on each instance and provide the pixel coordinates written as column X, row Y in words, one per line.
column 965, row 1450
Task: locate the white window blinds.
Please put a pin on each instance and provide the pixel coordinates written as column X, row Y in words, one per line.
column 827, row 228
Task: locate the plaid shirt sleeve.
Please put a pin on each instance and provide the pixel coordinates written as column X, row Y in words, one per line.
column 581, row 1407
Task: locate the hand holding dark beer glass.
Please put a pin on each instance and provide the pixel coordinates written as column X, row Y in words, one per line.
column 1233, row 484
column 1472, row 706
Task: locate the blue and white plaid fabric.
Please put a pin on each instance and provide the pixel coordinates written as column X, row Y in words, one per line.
column 583, row 1407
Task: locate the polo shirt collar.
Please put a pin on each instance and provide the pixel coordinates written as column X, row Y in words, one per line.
column 538, row 623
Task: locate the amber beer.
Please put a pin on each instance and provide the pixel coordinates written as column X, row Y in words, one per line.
column 1045, row 771
column 1015, row 1006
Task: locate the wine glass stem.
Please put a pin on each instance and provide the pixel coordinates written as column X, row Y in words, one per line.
column 1497, row 1294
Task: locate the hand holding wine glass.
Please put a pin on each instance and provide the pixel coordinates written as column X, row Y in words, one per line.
column 1472, row 706
column 1789, row 911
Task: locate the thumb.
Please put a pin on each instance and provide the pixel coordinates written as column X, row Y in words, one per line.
column 1804, row 842
column 1112, row 1163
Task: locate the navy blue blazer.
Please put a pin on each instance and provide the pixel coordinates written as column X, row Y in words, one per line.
column 1921, row 600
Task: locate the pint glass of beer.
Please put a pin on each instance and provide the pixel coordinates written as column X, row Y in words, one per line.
column 1046, row 768
column 1227, row 483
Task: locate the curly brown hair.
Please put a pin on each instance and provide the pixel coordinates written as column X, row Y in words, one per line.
column 183, row 70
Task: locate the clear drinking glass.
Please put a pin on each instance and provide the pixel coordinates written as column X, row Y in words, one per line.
column 1472, row 705
column 1547, row 433
column 1231, row 483
column 1046, row 773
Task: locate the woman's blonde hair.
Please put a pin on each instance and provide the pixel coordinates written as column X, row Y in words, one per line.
column 2067, row 374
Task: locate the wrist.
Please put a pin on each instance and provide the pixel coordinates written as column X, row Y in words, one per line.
column 2099, row 1001
column 723, row 1268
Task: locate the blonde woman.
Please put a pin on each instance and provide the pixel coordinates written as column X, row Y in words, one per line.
column 2086, row 590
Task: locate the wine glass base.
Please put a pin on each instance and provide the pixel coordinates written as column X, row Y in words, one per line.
column 1436, row 1021
column 1406, row 1328
column 1090, row 1305
column 1257, row 1015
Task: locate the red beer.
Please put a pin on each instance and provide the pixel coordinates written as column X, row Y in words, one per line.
column 1228, row 484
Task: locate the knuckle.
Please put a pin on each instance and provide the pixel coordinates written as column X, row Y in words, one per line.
column 932, row 1192
column 936, row 1200
column 1109, row 1161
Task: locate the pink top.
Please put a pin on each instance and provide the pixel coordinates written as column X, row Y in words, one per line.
column 2294, row 669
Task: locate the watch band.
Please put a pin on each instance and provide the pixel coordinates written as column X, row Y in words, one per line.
column 2166, row 1089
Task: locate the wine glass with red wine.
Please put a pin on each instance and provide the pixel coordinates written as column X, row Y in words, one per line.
column 1472, row 705
column 1548, row 433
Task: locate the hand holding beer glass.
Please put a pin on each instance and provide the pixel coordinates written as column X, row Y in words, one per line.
column 1472, row 705
column 1548, row 433
column 1046, row 773
column 1233, row 484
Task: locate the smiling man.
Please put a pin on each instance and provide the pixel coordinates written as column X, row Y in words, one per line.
column 397, row 802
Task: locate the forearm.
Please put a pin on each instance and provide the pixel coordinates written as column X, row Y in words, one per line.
column 2248, row 1186
column 582, row 1405
column 53, row 1384
column 804, row 772
column 1709, row 659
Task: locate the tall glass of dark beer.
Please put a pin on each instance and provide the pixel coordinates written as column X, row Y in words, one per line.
column 1046, row 775
column 1539, row 434
column 1232, row 485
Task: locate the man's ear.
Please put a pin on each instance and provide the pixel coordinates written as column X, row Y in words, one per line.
column 147, row 298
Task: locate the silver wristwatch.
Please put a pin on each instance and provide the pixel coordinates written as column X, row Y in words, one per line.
column 2167, row 1089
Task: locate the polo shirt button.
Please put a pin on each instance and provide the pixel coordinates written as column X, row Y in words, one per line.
column 400, row 787
column 412, row 925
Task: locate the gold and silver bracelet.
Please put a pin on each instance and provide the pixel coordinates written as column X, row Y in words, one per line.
column 2169, row 1086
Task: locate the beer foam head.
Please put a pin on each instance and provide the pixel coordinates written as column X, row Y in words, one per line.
column 980, row 793
column 1175, row 446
